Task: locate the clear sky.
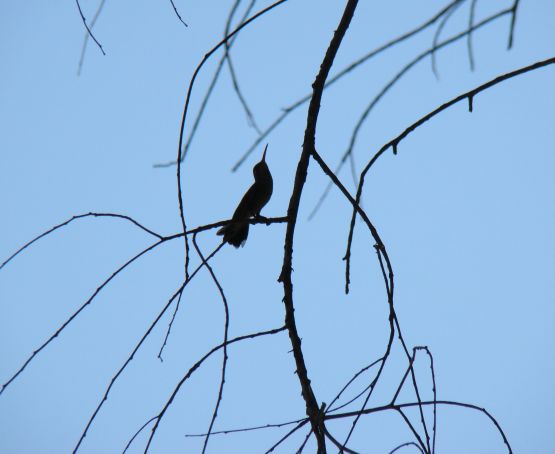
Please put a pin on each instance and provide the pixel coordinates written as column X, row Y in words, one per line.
column 465, row 210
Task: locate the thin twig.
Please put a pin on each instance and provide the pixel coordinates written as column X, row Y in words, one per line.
column 413, row 430
column 469, row 36
column 69, row 221
column 395, row 142
column 139, row 344
column 184, row 116
column 287, row 110
column 177, row 13
column 127, row 446
column 170, row 326
column 513, row 23
column 226, row 331
column 404, row 445
column 86, row 38
column 88, row 29
column 396, row 407
column 387, row 87
column 249, row 429
column 452, row 8
column 287, row 435
column 190, row 372
column 76, row 313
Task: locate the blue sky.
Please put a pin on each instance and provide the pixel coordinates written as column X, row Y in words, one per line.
column 465, row 209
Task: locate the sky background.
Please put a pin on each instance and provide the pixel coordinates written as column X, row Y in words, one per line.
column 465, row 210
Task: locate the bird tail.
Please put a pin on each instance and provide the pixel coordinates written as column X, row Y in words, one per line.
column 235, row 233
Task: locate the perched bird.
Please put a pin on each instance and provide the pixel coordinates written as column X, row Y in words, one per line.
column 253, row 201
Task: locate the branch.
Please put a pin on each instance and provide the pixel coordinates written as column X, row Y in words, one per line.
column 183, row 118
column 190, row 372
column 226, row 331
column 69, row 221
column 287, row 110
column 86, row 38
column 209, row 90
column 469, row 96
column 89, row 31
column 397, row 407
column 139, row 344
column 177, row 13
column 312, row 408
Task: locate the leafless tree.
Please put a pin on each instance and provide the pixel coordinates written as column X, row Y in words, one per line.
column 316, row 423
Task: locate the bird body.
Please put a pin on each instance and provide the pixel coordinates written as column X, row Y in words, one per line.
column 251, row 204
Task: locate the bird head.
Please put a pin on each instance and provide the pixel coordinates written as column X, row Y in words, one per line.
column 261, row 168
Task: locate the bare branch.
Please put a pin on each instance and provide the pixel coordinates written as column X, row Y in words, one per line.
column 177, row 13
column 190, row 372
column 394, row 142
column 69, row 221
column 397, row 407
column 226, row 331
column 139, row 344
column 312, row 408
column 88, row 29
column 287, row 110
column 86, row 38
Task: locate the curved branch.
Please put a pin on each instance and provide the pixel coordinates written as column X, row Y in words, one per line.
column 190, row 372
column 69, row 221
column 469, row 96
column 89, row 31
column 184, row 116
column 287, row 110
column 397, row 407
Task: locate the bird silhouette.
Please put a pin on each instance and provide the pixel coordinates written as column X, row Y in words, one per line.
column 253, row 201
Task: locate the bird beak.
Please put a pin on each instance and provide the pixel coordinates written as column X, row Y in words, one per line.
column 264, row 154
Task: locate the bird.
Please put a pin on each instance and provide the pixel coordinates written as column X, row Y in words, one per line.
column 258, row 195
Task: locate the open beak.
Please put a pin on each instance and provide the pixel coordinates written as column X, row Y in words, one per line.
column 264, row 154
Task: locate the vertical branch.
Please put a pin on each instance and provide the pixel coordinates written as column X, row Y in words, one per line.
column 513, row 22
column 469, row 36
column 226, row 330
column 312, row 409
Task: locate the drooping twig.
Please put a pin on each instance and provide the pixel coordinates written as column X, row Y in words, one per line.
column 469, row 36
column 305, row 441
column 177, row 13
column 287, row 110
column 76, row 313
column 389, row 283
column 405, row 445
column 452, row 8
column 86, row 38
column 135, row 435
column 312, row 407
column 89, row 31
column 393, row 81
column 234, row 79
column 396, row 407
column 190, row 372
column 394, row 142
column 139, row 344
column 184, row 117
column 168, row 331
column 209, row 90
column 69, row 221
column 361, row 371
column 226, row 331
column 513, row 22
column 413, row 430
column 287, row 435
